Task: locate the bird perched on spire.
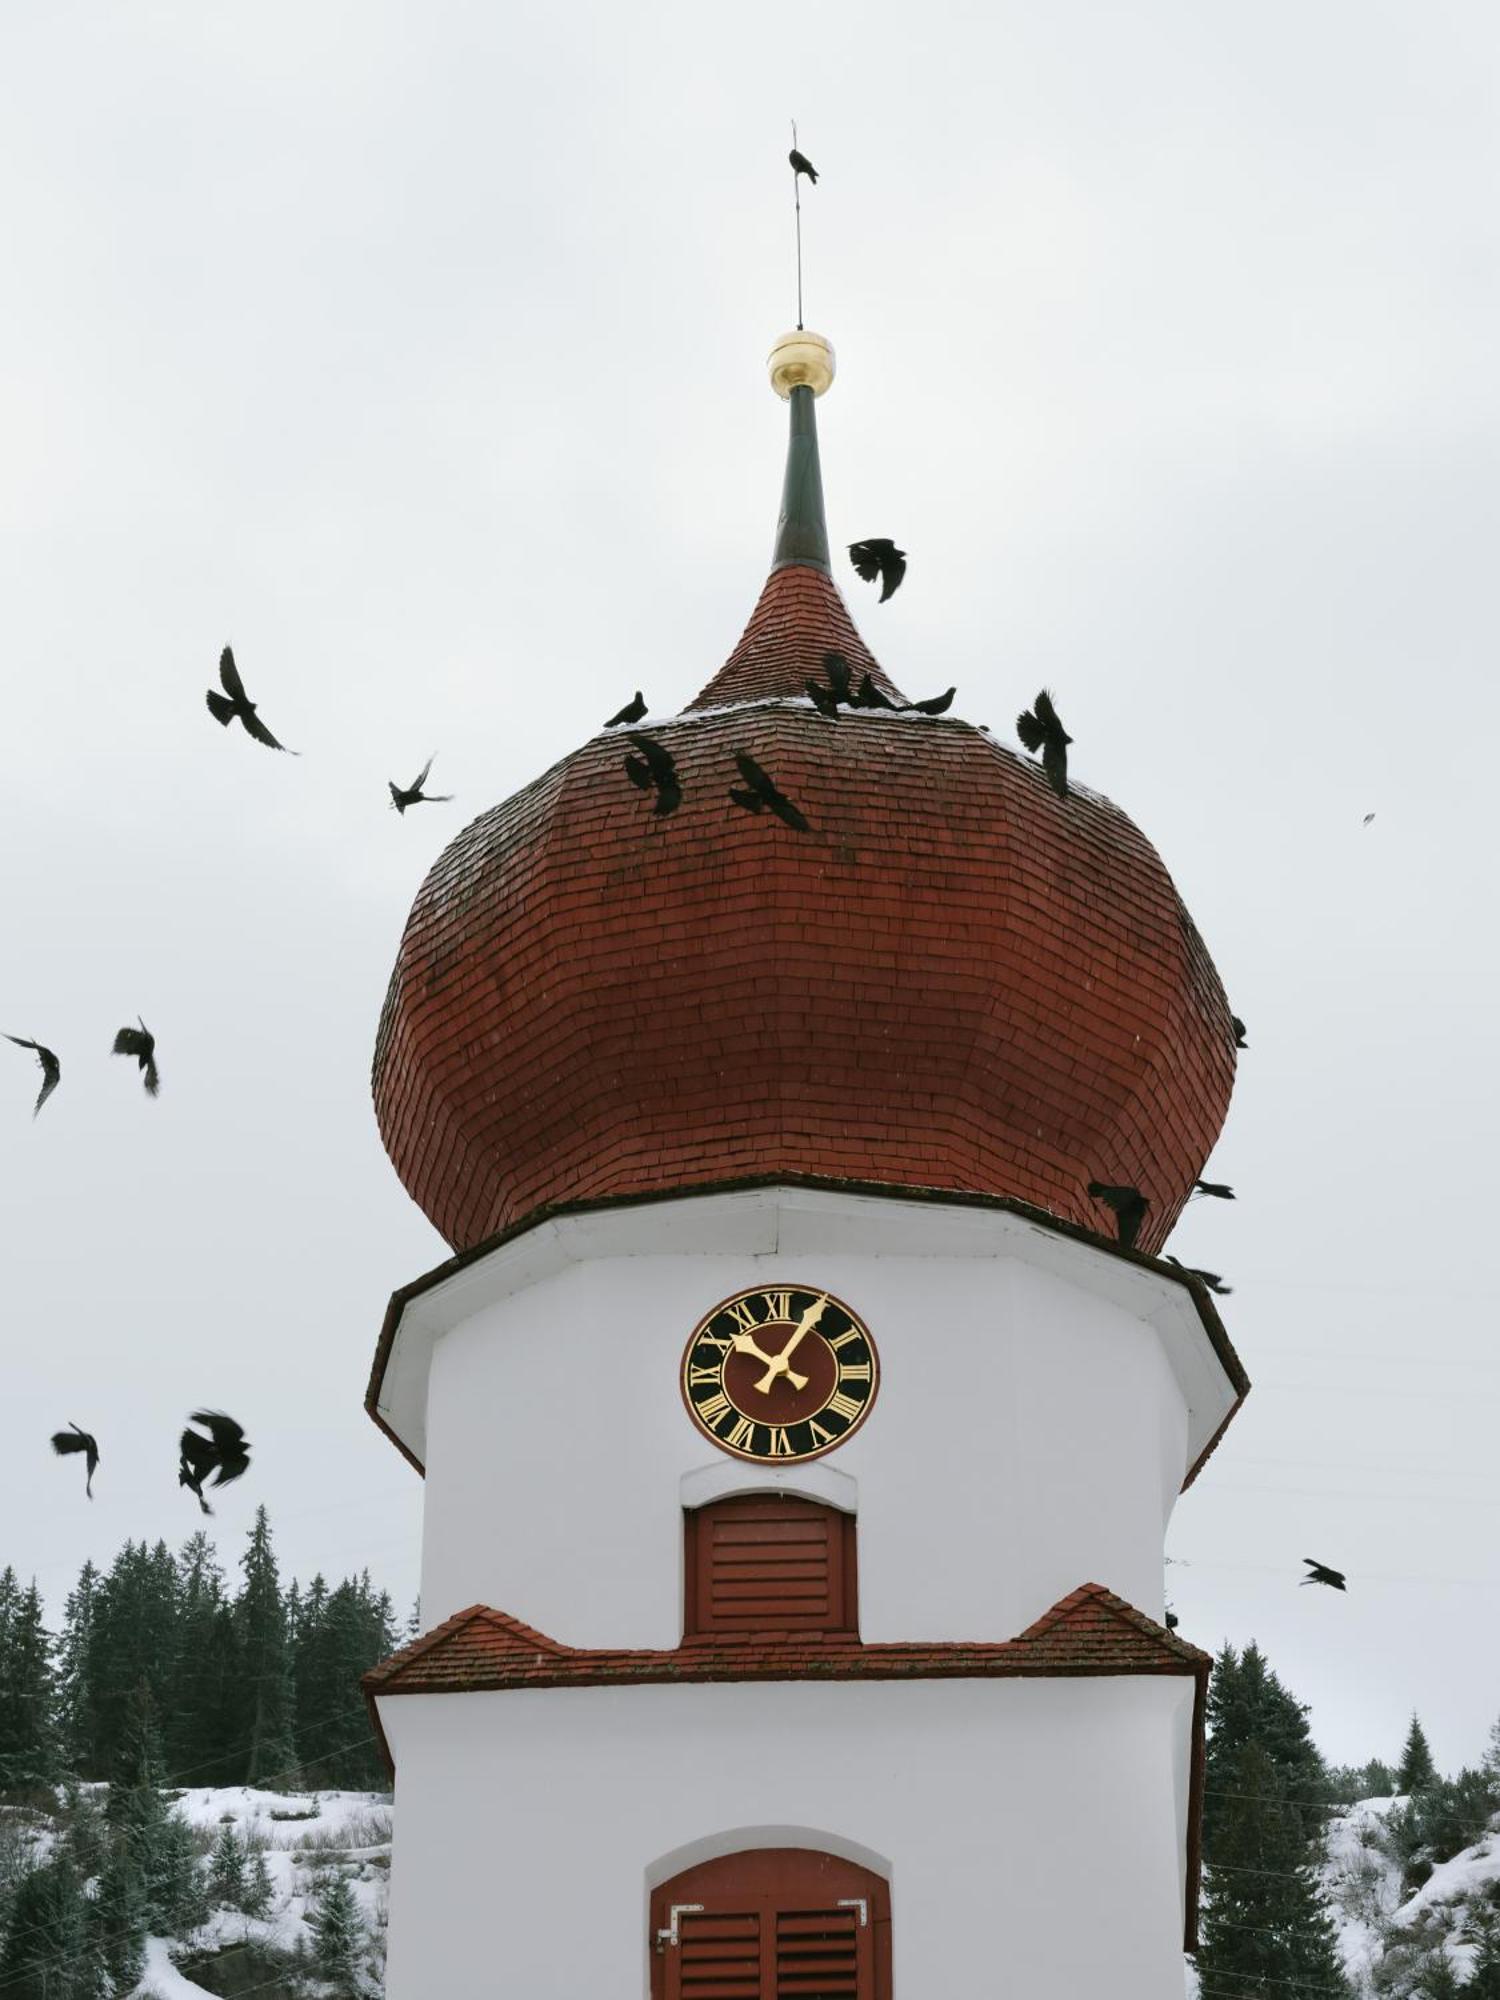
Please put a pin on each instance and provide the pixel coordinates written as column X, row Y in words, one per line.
column 633, row 710
column 1040, row 728
column 49, row 1065
column 413, row 795
column 1129, row 1206
column 801, row 164
column 880, row 557
column 75, row 1438
column 140, row 1043
column 238, row 703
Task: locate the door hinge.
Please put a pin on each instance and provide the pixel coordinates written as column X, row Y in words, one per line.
column 670, row 1934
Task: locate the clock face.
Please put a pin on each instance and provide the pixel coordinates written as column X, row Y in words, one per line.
column 780, row 1373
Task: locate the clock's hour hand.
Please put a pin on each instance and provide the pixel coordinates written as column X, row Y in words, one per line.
column 746, row 1343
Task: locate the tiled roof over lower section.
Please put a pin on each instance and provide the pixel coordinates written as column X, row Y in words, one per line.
column 1091, row 1631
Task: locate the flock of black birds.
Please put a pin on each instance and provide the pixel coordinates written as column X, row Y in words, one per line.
column 221, row 1456
column 233, row 703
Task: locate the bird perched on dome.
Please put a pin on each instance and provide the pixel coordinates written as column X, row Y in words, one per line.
column 75, row 1438
column 1210, row 1280
column 879, row 557
column 140, row 1043
column 1040, row 728
column 49, row 1065
column 935, row 704
column 633, row 710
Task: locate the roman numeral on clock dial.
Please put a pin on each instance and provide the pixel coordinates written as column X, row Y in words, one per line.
column 780, row 1373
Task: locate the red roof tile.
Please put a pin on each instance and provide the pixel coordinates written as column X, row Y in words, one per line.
column 955, row 981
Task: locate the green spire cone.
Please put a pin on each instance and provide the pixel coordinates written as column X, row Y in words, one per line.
column 801, row 530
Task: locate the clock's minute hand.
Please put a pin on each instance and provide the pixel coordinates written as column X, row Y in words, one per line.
column 746, row 1343
column 779, row 1363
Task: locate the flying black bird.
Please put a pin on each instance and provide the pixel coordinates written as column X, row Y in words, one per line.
column 869, row 696
column 762, row 793
column 654, row 770
column 839, row 678
column 879, row 557
column 1239, row 1032
column 74, row 1439
column 414, row 795
column 239, row 704
column 1040, row 728
column 1334, row 1578
column 823, row 699
column 631, row 712
column 1210, row 1280
column 1129, row 1205
column 801, row 164
column 937, row 704
column 140, row 1043
column 225, row 1453
column 50, row 1067
column 1220, row 1190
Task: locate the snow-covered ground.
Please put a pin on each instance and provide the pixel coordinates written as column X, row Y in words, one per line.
column 301, row 1835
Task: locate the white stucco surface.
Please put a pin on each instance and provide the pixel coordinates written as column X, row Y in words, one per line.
column 1040, row 1404
column 531, row 1827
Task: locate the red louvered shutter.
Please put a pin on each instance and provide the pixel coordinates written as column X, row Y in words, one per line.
column 766, row 1562
column 772, row 1923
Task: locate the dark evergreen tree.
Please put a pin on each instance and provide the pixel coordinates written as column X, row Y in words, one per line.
column 338, row 1936
column 29, row 1756
column 73, row 1655
column 48, row 1953
column 1436, row 1979
column 119, row 1918
column 260, row 1616
column 344, row 1632
column 1248, row 1704
column 132, row 1642
column 1266, row 1932
column 255, row 1897
column 226, row 1869
column 1483, row 1931
column 196, row 1712
column 156, row 1845
column 1416, row 1770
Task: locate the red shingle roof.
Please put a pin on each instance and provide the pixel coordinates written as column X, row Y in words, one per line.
column 1089, row 1632
column 956, row 980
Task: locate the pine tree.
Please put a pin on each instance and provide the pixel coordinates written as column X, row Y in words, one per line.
column 226, row 1869
column 156, row 1845
column 1265, row 1928
column 196, row 1695
column 72, row 1670
column 119, row 1918
column 260, row 1616
column 255, row 1898
column 1437, row 1980
column 132, row 1641
column 28, row 1696
column 1248, row 1704
column 1483, row 1929
column 48, row 1953
column 1417, row 1770
column 338, row 1935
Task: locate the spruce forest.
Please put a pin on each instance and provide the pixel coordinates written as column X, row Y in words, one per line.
column 249, row 1684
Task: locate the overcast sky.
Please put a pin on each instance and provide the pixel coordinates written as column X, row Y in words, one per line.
column 419, row 352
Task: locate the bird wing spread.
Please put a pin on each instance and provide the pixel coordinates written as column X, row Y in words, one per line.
column 22, row 1043
column 65, row 1441
column 229, row 674
column 421, row 778
column 220, row 707
column 256, row 728
column 228, row 1436
column 1030, row 730
column 133, row 1042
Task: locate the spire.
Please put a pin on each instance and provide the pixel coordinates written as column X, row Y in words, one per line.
column 801, row 366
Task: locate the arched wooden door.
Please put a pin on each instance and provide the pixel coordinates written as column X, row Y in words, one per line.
column 772, row 1923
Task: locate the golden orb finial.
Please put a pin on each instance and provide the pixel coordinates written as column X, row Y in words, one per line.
column 801, row 360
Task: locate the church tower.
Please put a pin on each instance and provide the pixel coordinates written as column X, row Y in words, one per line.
column 799, row 1440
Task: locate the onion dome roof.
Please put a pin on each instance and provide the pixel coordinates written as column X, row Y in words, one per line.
column 955, row 980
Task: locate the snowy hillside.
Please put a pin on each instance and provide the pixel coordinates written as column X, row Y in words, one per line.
column 303, row 1838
